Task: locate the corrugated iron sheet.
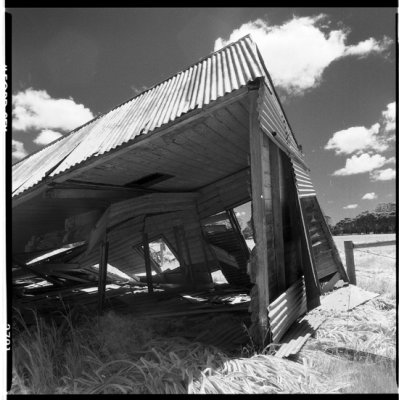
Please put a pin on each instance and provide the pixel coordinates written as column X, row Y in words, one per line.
column 286, row 309
column 299, row 333
column 213, row 77
column 274, row 123
column 302, row 179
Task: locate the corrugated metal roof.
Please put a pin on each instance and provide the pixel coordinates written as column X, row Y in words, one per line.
column 211, row 78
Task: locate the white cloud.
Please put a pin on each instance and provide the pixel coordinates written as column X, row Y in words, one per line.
column 47, row 136
column 363, row 142
column 389, row 117
column 350, row 206
column 383, row 175
column 355, row 139
column 36, row 109
column 362, row 163
column 18, row 150
column 297, row 52
column 137, row 90
column 369, row 196
column 367, row 46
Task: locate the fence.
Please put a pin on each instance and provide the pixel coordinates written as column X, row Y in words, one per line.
column 350, row 260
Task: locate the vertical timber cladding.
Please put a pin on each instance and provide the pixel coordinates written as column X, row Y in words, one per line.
column 291, row 228
column 277, row 262
column 267, row 267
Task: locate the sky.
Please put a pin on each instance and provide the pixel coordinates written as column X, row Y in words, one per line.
column 333, row 68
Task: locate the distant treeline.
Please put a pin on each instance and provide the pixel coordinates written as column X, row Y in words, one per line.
column 381, row 220
column 367, row 222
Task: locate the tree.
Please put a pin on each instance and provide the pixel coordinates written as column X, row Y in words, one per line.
column 367, row 222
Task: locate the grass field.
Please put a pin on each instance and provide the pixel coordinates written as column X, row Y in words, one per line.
column 121, row 354
column 375, row 266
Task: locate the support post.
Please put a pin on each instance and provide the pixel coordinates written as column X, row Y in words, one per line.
column 190, row 261
column 350, row 261
column 261, row 202
column 102, row 281
column 147, row 260
column 180, row 255
column 275, row 168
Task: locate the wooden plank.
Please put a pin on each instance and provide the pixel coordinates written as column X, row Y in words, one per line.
column 36, row 272
column 143, row 139
column 331, row 242
column 330, row 284
column 275, row 170
column 350, row 261
column 191, row 275
column 102, row 271
column 374, row 244
column 260, row 192
column 326, row 271
column 70, row 277
column 89, row 193
column 48, row 268
column 179, row 249
column 197, row 139
column 147, row 259
column 224, row 256
column 97, row 232
column 208, row 262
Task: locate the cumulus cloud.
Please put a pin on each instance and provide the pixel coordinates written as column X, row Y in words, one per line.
column 364, row 143
column 36, row 109
column 18, row 150
column 297, row 52
column 389, row 117
column 356, row 138
column 350, row 206
column 46, row 136
column 369, row 196
column 368, row 46
column 383, row 175
column 359, row 164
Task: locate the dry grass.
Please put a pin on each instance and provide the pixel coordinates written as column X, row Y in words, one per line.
column 368, row 336
column 367, row 333
column 123, row 355
column 375, row 266
column 118, row 354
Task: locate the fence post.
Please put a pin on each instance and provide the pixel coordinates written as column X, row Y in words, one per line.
column 350, row 261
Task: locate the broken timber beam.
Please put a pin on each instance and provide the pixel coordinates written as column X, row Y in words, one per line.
column 147, row 259
column 34, row 271
column 102, row 281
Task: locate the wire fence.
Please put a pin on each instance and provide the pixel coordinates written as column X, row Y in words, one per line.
column 376, row 254
column 350, row 259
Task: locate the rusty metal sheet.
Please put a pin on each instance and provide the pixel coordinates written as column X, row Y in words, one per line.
column 211, row 78
column 287, row 308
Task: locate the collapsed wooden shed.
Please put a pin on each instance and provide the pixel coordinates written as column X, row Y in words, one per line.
column 168, row 167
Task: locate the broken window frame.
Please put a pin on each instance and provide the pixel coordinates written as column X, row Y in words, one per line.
column 140, row 249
